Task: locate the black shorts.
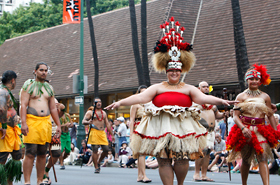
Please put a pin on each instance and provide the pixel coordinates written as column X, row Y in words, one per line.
column 16, row 155
column 35, row 149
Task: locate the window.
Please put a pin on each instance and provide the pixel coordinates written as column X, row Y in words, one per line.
column 9, row 1
column 0, row 8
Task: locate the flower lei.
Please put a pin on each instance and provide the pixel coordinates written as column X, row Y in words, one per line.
column 207, row 107
column 98, row 116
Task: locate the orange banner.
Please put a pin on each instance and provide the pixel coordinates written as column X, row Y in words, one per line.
column 71, row 11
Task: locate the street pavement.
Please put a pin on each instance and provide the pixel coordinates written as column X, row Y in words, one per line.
column 75, row 175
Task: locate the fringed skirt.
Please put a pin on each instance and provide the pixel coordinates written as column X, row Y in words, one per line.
column 169, row 132
column 210, row 140
column 264, row 137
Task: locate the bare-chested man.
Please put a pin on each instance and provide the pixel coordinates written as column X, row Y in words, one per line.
column 36, row 105
column 66, row 123
column 9, row 131
column 97, row 135
column 208, row 115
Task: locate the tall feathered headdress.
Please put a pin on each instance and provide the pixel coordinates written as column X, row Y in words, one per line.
column 170, row 52
column 259, row 72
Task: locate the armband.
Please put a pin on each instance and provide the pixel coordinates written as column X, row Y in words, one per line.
column 4, row 125
column 242, row 128
column 278, row 106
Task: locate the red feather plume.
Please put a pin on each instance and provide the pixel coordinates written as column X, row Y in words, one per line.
column 265, row 78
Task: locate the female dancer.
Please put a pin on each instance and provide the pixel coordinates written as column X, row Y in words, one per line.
column 251, row 136
column 136, row 113
column 169, row 129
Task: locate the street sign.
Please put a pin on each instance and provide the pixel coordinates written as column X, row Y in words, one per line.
column 76, row 84
column 79, row 100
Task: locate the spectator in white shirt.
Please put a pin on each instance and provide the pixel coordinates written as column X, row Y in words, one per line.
column 218, row 152
column 230, row 120
column 121, row 130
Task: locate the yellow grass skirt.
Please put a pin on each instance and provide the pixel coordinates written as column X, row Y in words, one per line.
column 12, row 140
column 40, row 130
column 97, row 137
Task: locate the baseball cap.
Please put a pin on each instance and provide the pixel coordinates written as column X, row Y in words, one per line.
column 120, row 119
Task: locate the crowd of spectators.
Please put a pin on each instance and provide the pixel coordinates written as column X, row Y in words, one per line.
column 219, row 154
column 121, row 153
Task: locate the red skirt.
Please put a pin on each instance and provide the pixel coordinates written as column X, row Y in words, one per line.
column 236, row 140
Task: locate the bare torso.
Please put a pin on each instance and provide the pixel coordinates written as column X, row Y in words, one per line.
column 99, row 120
column 65, row 129
column 208, row 115
column 39, row 105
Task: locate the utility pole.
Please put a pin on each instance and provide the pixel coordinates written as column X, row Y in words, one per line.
column 81, row 129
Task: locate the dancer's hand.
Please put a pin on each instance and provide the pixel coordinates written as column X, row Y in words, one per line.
column 113, row 139
column 113, row 106
column 228, row 103
column 24, row 129
column 273, row 107
column 58, row 131
column 3, row 132
column 247, row 133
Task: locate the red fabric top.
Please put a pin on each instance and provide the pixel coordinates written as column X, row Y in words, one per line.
column 172, row 98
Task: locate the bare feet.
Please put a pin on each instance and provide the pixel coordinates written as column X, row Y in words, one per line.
column 207, row 179
column 146, row 180
column 197, row 178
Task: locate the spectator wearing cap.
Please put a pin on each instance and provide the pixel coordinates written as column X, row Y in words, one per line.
column 124, row 153
column 121, row 130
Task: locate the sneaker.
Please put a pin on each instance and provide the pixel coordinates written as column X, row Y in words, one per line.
column 62, row 167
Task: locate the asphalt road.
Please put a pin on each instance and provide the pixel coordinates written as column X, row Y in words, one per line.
column 75, row 175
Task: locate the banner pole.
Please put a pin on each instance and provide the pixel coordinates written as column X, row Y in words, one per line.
column 81, row 128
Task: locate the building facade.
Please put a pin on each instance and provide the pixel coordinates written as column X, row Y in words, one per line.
column 213, row 46
column 11, row 5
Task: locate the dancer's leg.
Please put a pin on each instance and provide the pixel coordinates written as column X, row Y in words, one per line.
column 181, row 168
column 198, row 165
column 244, row 170
column 30, row 152
column 166, row 171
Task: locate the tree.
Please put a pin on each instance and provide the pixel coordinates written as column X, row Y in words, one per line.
column 40, row 16
column 94, row 50
column 240, row 44
column 29, row 19
column 135, row 44
column 144, row 42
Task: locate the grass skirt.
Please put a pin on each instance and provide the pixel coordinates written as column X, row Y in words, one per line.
column 264, row 137
column 169, row 132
